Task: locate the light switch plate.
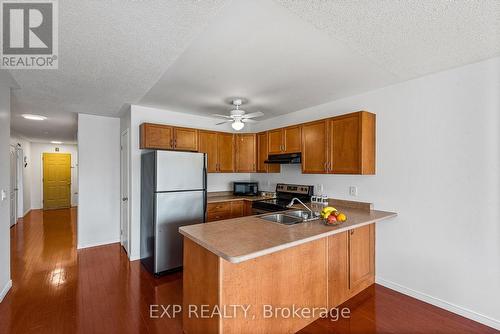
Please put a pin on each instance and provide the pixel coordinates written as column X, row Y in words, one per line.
column 353, row 191
column 4, row 194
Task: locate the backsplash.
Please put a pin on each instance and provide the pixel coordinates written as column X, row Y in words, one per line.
column 224, row 181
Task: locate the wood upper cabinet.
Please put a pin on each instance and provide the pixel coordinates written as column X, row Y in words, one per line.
column 207, row 143
column 352, row 144
column 185, row 139
column 156, row 136
column 340, row 145
column 225, row 152
column 262, row 154
column 351, row 263
column 315, row 147
column 285, row 140
column 246, row 152
column 166, row 137
column 219, row 149
column 275, row 141
column 291, row 139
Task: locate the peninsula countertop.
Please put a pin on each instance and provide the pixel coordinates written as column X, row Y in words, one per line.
column 241, row 239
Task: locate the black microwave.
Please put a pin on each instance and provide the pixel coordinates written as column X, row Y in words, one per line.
column 245, row 188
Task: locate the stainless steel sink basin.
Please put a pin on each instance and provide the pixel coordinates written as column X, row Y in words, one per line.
column 282, row 219
column 303, row 214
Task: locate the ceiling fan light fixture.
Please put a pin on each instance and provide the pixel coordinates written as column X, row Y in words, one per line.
column 237, row 125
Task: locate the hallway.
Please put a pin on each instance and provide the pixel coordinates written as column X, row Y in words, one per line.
column 98, row 291
column 58, row 289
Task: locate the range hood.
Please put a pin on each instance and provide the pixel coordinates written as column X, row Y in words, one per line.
column 288, row 158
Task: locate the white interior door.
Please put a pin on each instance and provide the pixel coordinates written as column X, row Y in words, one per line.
column 124, row 172
column 13, row 186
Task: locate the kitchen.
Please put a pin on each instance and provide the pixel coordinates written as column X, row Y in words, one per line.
column 259, row 166
column 231, row 237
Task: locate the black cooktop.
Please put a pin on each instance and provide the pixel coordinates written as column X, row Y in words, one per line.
column 284, row 194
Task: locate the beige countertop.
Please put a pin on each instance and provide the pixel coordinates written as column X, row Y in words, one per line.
column 240, row 239
column 230, row 198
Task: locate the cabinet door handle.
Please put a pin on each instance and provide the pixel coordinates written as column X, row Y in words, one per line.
column 352, row 232
column 325, row 166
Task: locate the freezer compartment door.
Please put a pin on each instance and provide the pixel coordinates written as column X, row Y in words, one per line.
column 173, row 210
column 179, row 171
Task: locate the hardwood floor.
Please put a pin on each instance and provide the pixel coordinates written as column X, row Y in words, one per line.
column 57, row 289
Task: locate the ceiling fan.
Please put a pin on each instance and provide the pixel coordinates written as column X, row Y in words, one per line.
column 238, row 117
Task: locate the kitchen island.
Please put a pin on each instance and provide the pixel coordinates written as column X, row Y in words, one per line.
column 249, row 275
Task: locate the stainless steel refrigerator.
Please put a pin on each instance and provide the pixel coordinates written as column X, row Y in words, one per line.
column 173, row 194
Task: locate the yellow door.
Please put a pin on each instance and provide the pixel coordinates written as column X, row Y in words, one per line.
column 56, row 180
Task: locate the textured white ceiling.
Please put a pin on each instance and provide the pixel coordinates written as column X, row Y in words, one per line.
column 406, row 37
column 261, row 51
column 114, row 52
column 111, row 53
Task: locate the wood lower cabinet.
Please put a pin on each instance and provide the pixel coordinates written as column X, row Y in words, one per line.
column 285, row 140
column 351, row 263
column 262, row 154
column 226, row 210
column 166, row 137
column 246, row 153
column 315, row 147
column 352, row 144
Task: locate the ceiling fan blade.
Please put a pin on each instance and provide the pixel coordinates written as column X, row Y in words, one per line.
column 228, row 121
column 223, row 116
column 253, row 114
column 248, row 120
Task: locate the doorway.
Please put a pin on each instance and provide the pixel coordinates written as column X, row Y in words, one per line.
column 124, row 186
column 56, row 180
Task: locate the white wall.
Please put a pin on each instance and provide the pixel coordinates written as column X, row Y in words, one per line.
column 98, row 180
column 438, row 163
column 26, row 191
column 37, row 150
column 6, row 82
column 139, row 115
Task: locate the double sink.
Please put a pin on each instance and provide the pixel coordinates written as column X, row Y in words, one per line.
column 290, row 217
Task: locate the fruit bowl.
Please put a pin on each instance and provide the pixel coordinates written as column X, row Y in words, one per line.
column 332, row 217
column 337, row 223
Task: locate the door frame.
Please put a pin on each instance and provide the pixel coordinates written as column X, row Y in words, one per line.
column 42, row 167
column 20, row 182
column 125, row 238
column 13, row 169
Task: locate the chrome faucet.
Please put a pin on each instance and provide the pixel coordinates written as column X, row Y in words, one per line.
column 298, row 200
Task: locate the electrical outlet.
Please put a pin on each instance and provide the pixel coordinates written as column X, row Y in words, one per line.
column 319, row 189
column 353, row 191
